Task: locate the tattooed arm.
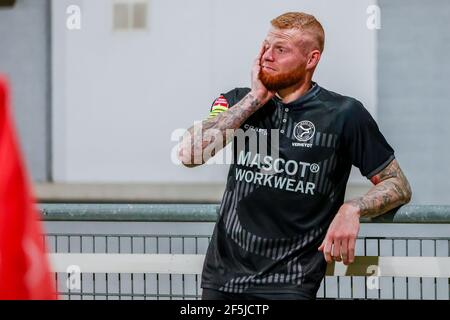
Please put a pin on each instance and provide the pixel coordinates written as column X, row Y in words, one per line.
column 202, row 141
column 390, row 191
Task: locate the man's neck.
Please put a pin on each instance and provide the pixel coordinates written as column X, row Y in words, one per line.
column 292, row 93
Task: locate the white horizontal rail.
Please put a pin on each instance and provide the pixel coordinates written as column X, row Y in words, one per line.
column 426, row 267
column 129, row 263
column 433, row 267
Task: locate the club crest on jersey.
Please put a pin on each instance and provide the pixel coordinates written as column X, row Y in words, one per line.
column 304, row 131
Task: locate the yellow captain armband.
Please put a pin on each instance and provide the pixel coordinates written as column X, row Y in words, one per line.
column 220, row 105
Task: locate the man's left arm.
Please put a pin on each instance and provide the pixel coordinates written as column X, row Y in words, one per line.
column 391, row 189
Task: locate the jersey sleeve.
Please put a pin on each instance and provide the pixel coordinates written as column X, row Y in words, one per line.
column 227, row 100
column 219, row 105
column 367, row 147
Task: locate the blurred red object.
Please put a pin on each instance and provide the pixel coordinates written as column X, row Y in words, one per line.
column 24, row 265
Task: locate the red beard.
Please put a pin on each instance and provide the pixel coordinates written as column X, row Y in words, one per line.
column 281, row 81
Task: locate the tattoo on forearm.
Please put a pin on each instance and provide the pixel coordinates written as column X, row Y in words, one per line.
column 235, row 116
column 215, row 133
column 392, row 190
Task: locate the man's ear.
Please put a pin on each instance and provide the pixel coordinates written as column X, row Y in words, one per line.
column 313, row 60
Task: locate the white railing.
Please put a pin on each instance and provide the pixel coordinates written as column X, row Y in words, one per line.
column 424, row 267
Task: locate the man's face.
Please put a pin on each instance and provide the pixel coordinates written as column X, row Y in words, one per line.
column 283, row 63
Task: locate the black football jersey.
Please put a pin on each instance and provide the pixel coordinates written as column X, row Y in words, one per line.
column 286, row 183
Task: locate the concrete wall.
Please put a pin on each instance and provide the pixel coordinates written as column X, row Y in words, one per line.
column 118, row 96
column 25, row 59
column 414, row 95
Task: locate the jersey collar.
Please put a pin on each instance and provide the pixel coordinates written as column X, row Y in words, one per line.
column 311, row 94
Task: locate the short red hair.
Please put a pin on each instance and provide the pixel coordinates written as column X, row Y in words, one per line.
column 304, row 22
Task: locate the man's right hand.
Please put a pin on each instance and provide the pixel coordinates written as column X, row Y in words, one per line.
column 259, row 91
column 213, row 134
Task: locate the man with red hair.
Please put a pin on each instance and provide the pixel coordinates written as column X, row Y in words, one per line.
column 283, row 215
